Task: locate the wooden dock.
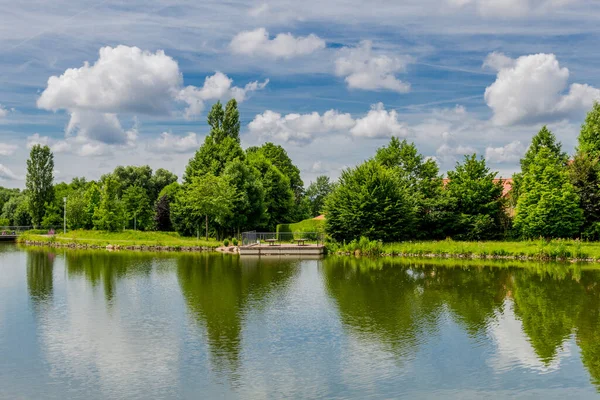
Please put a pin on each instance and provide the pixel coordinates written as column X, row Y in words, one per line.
column 11, row 233
column 282, row 250
column 8, row 238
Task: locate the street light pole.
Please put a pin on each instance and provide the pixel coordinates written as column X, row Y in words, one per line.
column 65, row 216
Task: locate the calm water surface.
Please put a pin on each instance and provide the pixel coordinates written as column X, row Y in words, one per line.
column 91, row 325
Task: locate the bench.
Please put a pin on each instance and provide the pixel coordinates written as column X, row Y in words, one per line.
column 301, row 242
column 271, row 241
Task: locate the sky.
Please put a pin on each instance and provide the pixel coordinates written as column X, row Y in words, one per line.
column 108, row 83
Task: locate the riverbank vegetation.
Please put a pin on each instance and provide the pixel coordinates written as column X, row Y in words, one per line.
column 224, row 191
column 541, row 249
column 399, row 195
column 397, row 202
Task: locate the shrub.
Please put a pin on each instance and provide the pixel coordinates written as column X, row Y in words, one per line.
column 226, row 242
column 234, row 241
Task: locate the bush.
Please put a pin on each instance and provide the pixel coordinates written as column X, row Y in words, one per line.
column 234, row 241
column 370, row 201
column 226, row 242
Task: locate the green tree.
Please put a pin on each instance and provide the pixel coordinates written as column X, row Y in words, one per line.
column 92, row 197
column 76, row 209
column 589, row 136
column 162, row 208
column 584, row 172
column 221, row 145
column 249, row 201
column 543, row 139
column 53, row 217
column 231, row 120
column 161, row 179
column 205, row 198
column 40, row 176
column 370, row 200
column 162, row 215
column 548, row 205
column 6, row 195
column 425, row 184
column 137, row 207
column 132, row 175
column 280, row 159
column 109, row 216
column 475, row 199
column 16, row 210
column 317, row 192
column 279, row 197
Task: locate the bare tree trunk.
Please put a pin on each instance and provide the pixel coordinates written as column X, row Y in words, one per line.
column 206, row 221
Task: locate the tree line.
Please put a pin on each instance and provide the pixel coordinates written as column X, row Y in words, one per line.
column 400, row 195
column 396, row 195
column 224, row 190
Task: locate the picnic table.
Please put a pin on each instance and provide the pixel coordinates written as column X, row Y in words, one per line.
column 301, row 242
column 271, row 241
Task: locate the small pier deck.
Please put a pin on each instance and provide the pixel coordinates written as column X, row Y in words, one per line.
column 282, row 250
column 11, row 233
column 282, row 244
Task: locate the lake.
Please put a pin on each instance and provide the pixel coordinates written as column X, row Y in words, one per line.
column 96, row 325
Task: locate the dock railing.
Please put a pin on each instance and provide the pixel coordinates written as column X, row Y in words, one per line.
column 279, row 238
column 7, row 232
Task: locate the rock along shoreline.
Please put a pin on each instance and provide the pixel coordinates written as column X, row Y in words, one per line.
column 117, row 247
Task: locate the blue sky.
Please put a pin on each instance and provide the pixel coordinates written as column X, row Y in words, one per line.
column 109, row 83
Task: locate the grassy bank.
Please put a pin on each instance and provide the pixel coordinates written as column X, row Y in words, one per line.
column 308, row 225
column 530, row 250
column 122, row 239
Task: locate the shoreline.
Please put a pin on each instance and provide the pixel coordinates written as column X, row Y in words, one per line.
column 448, row 256
column 233, row 250
column 118, row 247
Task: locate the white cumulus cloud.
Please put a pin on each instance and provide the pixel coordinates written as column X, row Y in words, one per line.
column 169, row 143
column 511, row 152
column 217, row 86
column 284, row 45
column 299, row 128
column 123, row 79
column 532, row 89
column 6, row 173
column 304, row 128
column 365, row 70
column 7, row 149
column 379, row 123
column 129, row 80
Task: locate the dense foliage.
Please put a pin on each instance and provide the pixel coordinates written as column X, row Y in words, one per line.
column 371, row 201
column 397, row 195
column 40, row 170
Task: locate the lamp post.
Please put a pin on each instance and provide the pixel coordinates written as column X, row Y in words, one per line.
column 65, row 215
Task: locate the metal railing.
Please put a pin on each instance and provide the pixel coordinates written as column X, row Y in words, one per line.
column 13, row 230
column 275, row 238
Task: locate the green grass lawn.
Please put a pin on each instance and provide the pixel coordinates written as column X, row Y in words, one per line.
column 124, row 238
column 308, row 225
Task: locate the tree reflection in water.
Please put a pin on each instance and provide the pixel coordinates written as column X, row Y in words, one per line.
column 398, row 301
column 220, row 290
column 40, row 267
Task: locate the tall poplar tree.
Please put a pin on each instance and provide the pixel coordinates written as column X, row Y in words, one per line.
column 221, row 145
column 39, row 181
